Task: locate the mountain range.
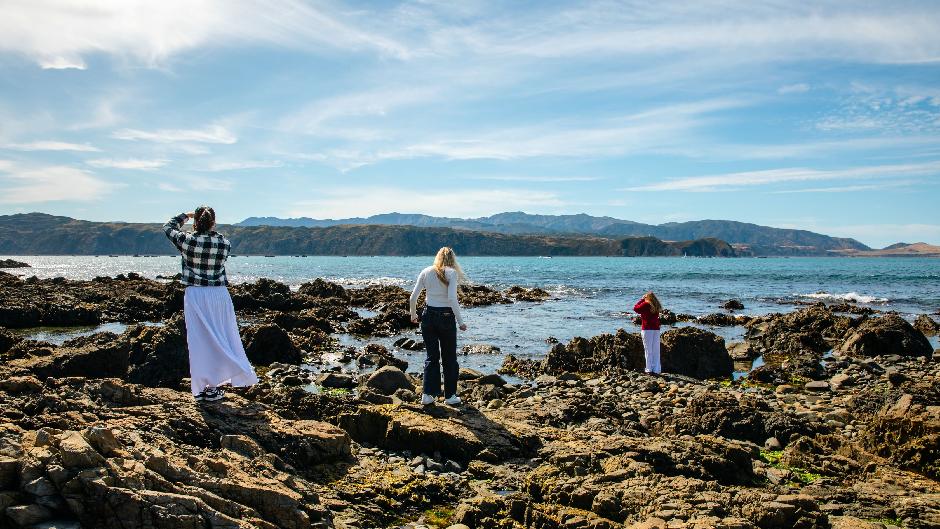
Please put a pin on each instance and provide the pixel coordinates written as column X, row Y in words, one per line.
column 746, row 238
column 42, row 234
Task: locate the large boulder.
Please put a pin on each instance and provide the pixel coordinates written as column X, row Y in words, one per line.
column 460, row 436
column 320, row 288
column 695, row 353
column 888, row 335
column 265, row 344
column 604, row 352
column 389, row 379
column 814, row 329
column 927, row 325
column 262, row 294
column 159, row 355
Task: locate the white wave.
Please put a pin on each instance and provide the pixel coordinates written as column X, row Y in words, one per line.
column 366, row 281
column 848, row 296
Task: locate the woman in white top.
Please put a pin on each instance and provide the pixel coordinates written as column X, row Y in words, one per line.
column 439, row 325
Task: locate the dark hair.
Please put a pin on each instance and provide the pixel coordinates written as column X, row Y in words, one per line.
column 204, row 219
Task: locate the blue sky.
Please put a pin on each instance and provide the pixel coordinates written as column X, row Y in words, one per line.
column 815, row 115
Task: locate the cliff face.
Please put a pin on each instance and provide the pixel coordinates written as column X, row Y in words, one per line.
column 39, row 234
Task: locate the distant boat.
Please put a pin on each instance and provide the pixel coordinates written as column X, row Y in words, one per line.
column 545, row 257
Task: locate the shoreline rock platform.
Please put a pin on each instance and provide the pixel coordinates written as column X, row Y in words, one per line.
column 840, row 428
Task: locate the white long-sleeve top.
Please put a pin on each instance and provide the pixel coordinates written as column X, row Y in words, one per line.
column 438, row 294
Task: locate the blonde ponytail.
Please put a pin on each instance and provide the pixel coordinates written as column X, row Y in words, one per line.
column 446, row 258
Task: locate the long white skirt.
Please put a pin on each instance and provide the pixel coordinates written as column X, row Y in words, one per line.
column 216, row 353
column 651, row 348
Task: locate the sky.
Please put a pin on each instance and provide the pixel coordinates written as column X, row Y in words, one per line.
column 813, row 115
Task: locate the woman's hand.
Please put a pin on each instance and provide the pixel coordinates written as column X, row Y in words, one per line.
column 463, row 326
column 414, row 319
column 189, row 215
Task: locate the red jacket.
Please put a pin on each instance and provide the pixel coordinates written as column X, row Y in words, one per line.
column 650, row 318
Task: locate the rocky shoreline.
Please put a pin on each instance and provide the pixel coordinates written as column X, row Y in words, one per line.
column 840, row 426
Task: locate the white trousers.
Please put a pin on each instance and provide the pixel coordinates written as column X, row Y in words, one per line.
column 216, row 354
column 651, row 350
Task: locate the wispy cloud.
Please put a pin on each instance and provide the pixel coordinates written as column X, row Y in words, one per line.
column 792, row 174
column 41, row 184
column 238, row 166
column 51, row 145
column 342, row 203
column 848, row 188
column 210, row 134
column 798, row 88
column 546, row 179
column 659, row 129
column 129, row 163
column 153, row 32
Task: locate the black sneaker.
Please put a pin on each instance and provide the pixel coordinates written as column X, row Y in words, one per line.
column 210, row 395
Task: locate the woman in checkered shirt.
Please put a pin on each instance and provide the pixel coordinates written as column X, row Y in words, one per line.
column 216, row 354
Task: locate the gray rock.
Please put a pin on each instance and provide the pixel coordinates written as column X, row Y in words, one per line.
column 818, row 386
column 841, row 380
column 336, row 381
column 27, row 515
column 387, row 380
column 772, row 443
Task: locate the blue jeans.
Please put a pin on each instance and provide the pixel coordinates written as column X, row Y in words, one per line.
column 439, row 328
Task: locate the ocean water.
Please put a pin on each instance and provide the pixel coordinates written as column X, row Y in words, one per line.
column 592, row 295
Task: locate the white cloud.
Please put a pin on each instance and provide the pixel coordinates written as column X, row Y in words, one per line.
column 51, row 146
column 547, row 179
column 237, row 166
column 849, row 188
column 199, row 183
column 29, row 185
column 210, row 134
column 791, row 174
column 129, row 163
column 342, row 203
column 58, row 34
column 799, row 88
column 659, row 129
column 62, row 62
column 163, row 186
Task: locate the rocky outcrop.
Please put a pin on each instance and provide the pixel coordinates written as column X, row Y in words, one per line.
column 461, row 436
column 152, row 458
column 601, row 353
column 10, row 263
column 908, row 434
column 696, row 353
column 265, row 344
column 319, row 288
column 518, row 293
column 887, row 335
column 927, row 325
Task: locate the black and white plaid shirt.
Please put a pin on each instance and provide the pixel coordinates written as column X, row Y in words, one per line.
column 204, row 254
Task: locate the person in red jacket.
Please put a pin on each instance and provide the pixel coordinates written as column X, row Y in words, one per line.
column 649, row 308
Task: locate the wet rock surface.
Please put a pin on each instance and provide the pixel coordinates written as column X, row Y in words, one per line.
column 10, row 263
column 101, row 431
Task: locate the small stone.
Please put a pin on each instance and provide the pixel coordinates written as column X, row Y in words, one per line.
column 818, row 386
column 841, row 380
column 772, row 443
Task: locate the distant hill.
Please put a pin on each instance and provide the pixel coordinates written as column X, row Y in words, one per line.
column 41, row 234
column 901, row 249
column 748, row 238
